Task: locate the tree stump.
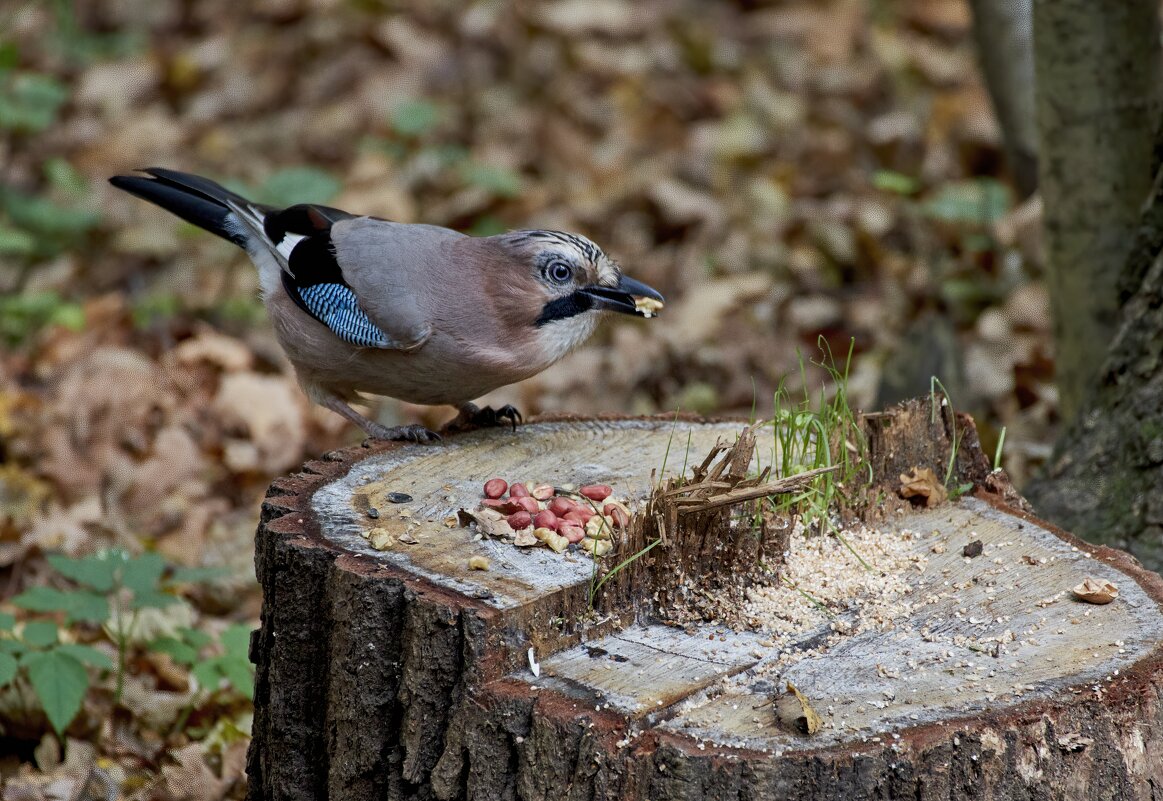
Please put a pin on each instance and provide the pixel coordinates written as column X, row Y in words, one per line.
column 403, row 674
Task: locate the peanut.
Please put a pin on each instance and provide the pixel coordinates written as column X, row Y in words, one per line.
column 596, row 492
column 561, row 506
column 599, row 528
column 615, row 513
column 578, row 516
column 520, row 520
column 555, row 541
column 571, row 532
column 496, row 487
column 501, row 505
column 596, row 547
column 528, row 504
column 545, row 519
column 518, row 490
column 543, row 492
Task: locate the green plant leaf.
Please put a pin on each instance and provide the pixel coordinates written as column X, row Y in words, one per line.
column 97, row 571
column 39, row 634
column 153, row 599
column 15, row 242
column 207, row 674
column 236, row 640
column 13, row 647
column 415, row 118
column 7, row 621
column 42, row 216
column 499, row 181
column 142, row 573
column 298, row 185
column 977, row 201
column 487, row 225
column 896, row 182
column 76, row 604
column 8, row 667
column 87, row 654
column 240, row 674
column 60, row 682
column 65, row 177
column 29, row 101
column 181, row 652
column 196, row 638
column 41, row 599
column 9, row 55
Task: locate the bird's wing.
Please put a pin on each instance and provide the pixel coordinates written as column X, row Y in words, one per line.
column 303, row 238
column 394, row 270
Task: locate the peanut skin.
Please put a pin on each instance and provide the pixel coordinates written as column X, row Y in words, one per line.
column 596, row 492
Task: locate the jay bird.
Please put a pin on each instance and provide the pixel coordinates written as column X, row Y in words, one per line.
column 415, row 312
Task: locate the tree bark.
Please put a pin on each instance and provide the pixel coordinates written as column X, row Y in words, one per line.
column 1003, row 31
column 1098, row 67
column 1106, row 478
column 402, row 674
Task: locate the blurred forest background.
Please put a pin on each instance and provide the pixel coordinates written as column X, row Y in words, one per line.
column 786, row 174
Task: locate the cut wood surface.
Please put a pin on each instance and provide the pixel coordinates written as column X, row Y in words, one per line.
column 402, row 673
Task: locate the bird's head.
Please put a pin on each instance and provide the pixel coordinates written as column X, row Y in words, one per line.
column 573, row 282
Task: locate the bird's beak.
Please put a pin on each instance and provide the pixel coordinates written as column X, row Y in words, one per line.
column 628, row 297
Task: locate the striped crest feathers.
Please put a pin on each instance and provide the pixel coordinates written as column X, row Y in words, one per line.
column 605, row 268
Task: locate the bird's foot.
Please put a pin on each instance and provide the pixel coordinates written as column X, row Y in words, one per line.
column 412, row 433
column 472, row 416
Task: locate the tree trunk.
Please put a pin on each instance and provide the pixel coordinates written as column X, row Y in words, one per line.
column 1106, row 478
column 1098, row 69
column 403, row 674
column 1003, row 31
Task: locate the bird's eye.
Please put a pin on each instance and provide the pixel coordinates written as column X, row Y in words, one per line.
column 559, row 272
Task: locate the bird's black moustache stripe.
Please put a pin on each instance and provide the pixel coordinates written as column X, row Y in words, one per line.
column 563, row 308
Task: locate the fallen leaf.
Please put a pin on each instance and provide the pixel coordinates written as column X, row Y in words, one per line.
column 795, row 711
column 1095, row 591
column 923, row 483
column 489, row 525
column 190, row 779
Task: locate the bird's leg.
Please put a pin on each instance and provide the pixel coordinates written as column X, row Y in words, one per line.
column 472, row 416
column 413, row 433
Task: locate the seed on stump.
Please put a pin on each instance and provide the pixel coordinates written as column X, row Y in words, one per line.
column 520, row 520
column 496, row 487
column 561, row 506
column 596, row 492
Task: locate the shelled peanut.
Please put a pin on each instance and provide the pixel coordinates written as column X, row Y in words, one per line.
column 541, row 513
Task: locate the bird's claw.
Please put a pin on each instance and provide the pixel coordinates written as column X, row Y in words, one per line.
column 471, row 416
column 413, row 433
column 507, row 412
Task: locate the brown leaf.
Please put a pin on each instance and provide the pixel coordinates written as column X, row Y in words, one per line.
column 269, row 410
column 795, row 711
column 190, row 779
column 923, row 483
column 1096, row 591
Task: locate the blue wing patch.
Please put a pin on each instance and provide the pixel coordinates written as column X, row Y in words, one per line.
column 335, row 306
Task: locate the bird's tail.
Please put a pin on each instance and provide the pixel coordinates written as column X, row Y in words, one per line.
column 198, row 200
